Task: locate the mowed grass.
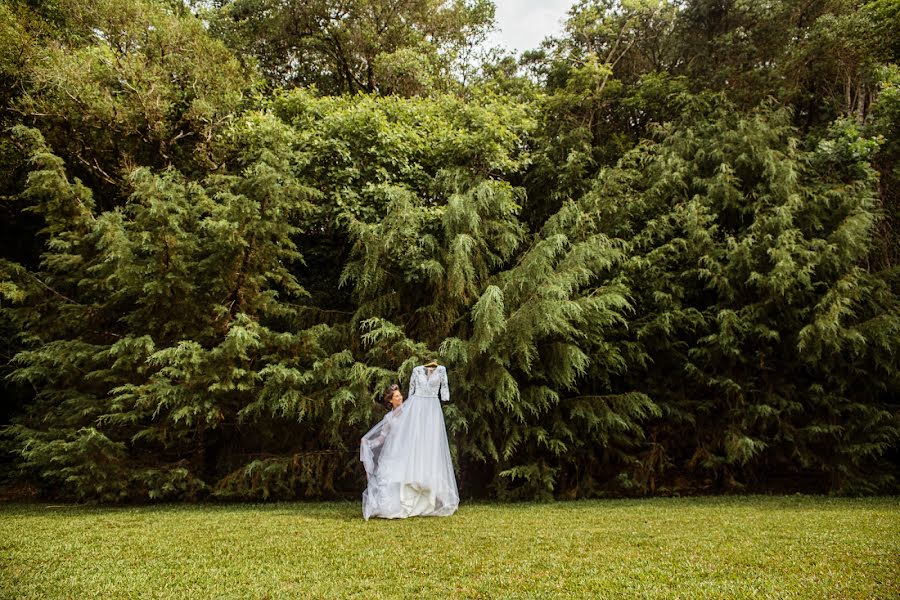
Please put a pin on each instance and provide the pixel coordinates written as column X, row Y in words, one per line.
column 714, row 547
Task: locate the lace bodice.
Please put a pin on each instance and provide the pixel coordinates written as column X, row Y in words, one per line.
column 434, row 385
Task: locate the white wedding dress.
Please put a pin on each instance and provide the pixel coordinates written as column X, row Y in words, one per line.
column 407, row 455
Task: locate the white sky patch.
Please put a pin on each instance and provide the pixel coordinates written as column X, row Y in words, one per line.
column 523, row 24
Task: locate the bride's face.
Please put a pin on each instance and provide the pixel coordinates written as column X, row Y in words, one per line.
column 396, row 399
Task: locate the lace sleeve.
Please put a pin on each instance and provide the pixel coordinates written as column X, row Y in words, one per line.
column 445, row 387
column 412, row 383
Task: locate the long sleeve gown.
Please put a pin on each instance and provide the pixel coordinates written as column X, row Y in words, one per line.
column 407, row 455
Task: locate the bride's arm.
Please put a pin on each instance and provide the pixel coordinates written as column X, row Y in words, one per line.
column 383, row 428
column 379, row 439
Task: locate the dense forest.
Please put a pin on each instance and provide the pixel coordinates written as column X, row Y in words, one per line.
column 658, row 254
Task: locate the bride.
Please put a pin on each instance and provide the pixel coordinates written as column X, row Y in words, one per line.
column 407, row 456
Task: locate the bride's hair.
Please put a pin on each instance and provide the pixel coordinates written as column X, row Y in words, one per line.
column 388, row 394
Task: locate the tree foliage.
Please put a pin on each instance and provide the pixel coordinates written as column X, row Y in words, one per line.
column 657, row 254
column 408, row 47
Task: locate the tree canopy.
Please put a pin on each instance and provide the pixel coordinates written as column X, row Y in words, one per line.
column 658, row 254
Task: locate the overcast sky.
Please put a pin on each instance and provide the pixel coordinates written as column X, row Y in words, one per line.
column 523, row 24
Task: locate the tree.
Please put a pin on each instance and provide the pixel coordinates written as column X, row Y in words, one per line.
column 606, row 83
column 119, row 86
column 772, row 346
column 362, row 45
column 150, row 325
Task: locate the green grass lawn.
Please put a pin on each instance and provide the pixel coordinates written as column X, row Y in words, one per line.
column 722, row 547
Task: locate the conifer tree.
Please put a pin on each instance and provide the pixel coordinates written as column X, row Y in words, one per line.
column 772, row 348
column 152, row 326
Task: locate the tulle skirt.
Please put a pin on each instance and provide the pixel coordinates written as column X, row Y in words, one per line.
column 408, row 464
